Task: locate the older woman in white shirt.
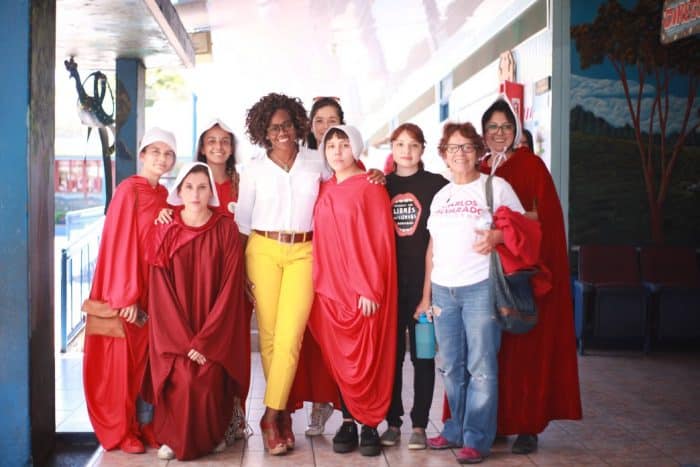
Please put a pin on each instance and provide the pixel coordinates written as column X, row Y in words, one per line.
column 457, row 285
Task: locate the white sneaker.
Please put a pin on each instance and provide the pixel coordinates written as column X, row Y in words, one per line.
column 165, row 453
column 320, row 413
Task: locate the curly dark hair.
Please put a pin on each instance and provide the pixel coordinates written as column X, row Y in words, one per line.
column 230, row 162
column 465, row 129
column 258, row 118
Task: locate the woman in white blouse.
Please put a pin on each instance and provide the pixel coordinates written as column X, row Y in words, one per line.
column 275, row 205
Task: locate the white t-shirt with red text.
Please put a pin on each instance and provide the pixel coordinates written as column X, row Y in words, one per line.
column 454, row 214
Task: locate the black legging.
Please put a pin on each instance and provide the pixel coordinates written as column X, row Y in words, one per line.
column 423, row 369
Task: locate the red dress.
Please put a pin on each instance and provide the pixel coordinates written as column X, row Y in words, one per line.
column 197, row 302
column 224, row 190
column 538, row 371
column 114, row 368
column 227, row 195
column 354, row 255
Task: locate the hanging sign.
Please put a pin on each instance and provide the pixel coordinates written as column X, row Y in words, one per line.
column 679, row 19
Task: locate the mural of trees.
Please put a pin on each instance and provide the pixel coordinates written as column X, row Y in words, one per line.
column 630, row 40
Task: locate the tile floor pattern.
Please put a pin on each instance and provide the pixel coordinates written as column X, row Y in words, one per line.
column 638, row 411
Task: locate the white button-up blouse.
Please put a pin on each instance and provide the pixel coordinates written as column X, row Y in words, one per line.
column 271, row 199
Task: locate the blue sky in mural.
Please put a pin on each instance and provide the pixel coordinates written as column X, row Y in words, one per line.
column 598, row 88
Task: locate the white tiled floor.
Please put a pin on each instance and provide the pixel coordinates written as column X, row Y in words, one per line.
column 638, row 411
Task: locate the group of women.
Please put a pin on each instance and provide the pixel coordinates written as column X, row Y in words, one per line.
column 337, row 268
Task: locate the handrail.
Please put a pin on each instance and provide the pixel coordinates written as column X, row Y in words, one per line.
column 76, row 287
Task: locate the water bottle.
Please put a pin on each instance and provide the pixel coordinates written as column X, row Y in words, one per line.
column 483, row 222
column 425, row 338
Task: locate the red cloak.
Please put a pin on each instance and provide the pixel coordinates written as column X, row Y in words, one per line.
column 354, row 255
column 522, row 238
column 227, row 195
column 114, row 368
column 538, row 371
column 224, row 191
column 197, row 302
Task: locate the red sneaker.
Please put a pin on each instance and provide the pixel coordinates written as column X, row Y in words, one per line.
column 440, row 442
column 132, row 445
column 469, row 456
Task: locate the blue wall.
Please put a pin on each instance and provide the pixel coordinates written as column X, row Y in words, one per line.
column 15, row 446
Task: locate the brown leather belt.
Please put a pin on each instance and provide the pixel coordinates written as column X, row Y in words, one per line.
column 286, row 237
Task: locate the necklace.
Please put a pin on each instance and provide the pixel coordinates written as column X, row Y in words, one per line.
column 286, row 166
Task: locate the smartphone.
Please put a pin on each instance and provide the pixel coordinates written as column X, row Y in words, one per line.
column 141, row 318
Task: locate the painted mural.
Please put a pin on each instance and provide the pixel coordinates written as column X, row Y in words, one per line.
column 635, row 112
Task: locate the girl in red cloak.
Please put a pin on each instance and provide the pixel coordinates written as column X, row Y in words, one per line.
column 199, row 337
column 114, row 367
column 353, row 317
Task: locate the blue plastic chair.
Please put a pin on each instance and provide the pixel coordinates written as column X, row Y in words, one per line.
column 672, row 276
column 610, row 302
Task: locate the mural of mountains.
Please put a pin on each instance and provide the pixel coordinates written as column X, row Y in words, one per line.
column 587, row 122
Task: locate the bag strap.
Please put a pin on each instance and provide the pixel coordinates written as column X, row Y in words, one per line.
column 495, row 259
column 489, row 193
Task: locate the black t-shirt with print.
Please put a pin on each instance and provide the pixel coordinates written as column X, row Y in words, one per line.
column 410, row 205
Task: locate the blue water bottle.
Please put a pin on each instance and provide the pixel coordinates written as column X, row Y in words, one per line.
column 425, row 338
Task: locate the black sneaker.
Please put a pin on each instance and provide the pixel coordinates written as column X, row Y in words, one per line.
column 369, row 442
column 524, row 444
column 345, row 439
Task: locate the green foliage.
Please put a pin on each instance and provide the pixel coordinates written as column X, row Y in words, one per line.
column 161, row 81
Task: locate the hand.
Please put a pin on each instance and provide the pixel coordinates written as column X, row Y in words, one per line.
column 249, row 286
column 487, row 240
column 165, row 216
column 367, row 306
column 130, row 313
column 196, row 357
column 532, row 215
column 376, row 176
column 424, row 307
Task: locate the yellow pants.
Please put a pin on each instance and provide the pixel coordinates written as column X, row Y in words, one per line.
column 283, row 294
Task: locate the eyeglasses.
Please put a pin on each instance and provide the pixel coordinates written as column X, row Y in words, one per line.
column 467, row 148
column 275, row 129
column 494, row 128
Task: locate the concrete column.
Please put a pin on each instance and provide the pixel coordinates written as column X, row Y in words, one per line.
column 131, row 98
column 560, row 19
column 26, row 231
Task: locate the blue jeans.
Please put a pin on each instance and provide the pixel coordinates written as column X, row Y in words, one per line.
column 468, row 338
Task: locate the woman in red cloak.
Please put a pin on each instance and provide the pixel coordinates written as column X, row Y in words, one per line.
column 354, row 274
column 199, row 338
column 217, row 148
column 114, row 367
column 538, row 371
